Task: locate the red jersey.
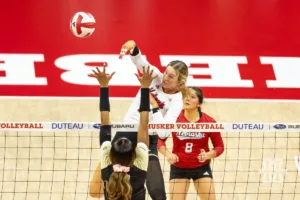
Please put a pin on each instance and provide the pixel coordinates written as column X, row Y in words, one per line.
column 187, row 145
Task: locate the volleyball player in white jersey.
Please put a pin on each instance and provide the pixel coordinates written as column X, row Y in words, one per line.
column 167, row 89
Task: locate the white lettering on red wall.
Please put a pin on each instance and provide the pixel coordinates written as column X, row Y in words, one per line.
column 287, row 72
column 77, row 72
column 218, row 76
column 223, row 70
column 19, row 69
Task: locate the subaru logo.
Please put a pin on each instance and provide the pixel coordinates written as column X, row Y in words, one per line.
column 97, row 126
column 280, row 126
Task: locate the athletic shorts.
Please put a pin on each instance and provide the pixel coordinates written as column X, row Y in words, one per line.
column 191, row 173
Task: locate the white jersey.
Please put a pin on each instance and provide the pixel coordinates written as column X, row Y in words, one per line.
column 170, row 104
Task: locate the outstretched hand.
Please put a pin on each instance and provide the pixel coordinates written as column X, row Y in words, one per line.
column 101, row 76
column 146, row 78
column 128, row 47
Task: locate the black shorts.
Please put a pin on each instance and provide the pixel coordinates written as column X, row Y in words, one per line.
column 191, row 173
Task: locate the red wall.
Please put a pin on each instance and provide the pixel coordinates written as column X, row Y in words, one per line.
column 262, row 35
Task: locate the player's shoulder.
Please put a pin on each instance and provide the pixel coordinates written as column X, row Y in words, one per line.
column 142, row 146
column 207, row 118
column 105, row 146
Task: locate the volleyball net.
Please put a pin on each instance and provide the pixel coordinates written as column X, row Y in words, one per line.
column 56, row 160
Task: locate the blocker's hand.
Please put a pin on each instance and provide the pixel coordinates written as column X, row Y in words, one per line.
column 101, row 76
column 146, row 78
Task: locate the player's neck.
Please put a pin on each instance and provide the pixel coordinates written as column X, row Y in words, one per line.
column 192, row 115
column 170, row 91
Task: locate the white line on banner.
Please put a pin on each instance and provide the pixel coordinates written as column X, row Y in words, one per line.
column 172, row 127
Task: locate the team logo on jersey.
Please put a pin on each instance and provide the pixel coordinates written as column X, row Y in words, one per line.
column 190, row 135
column 161, row 104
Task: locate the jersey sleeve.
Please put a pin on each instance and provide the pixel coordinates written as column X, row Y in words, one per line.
column 217, row 141
column 142, row 159
column 140, row 63
column 104, row 154
column 170, row 116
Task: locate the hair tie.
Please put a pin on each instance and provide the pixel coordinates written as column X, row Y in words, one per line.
column 120, row 168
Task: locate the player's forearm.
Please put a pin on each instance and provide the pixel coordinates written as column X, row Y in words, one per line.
column 143, row 128
column 211, row 154
column 218, row 143
column 143, row 135
column 163, row 150
column 104, row 105
column 136, row 58
column 96, row 185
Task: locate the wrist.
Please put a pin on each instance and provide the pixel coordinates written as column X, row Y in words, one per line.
column 135, row 51
column 210, row 154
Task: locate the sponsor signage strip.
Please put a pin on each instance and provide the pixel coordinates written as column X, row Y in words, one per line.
column 119, row 126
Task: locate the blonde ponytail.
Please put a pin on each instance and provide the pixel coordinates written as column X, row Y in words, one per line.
column 119, row 187
column 184, row 90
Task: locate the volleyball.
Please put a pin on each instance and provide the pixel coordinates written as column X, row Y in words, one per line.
column 83, row 24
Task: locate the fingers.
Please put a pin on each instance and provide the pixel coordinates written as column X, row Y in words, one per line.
column 112, row 74
column 172, row 159
column 137, row 76
column 99, row 72
column 176, row 157
column 95, row 73
column 147, row 71
column 155, row 76
column 151, row 72
column 124, row 50
column 202, row 155
column 92, row 75
column 144, row 70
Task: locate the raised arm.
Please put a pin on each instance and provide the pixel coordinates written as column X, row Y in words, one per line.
column 103, row 79
column 96, row 185
column 144, row 109
column 136, row 57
